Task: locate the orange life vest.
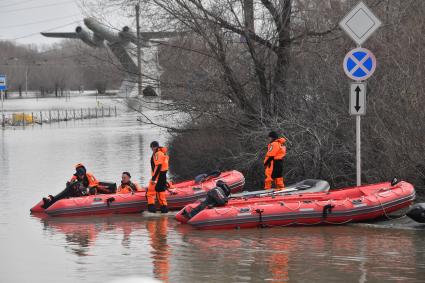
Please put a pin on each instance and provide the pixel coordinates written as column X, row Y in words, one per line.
column 89, row 180
column 276, row 149
column 128, row 188
column 160, row 157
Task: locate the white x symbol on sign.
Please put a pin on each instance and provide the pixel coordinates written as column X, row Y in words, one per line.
column 359, row 64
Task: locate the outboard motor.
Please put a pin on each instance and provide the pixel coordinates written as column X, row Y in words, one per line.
column 417, row 212
column 215, row 198
column 219, row 195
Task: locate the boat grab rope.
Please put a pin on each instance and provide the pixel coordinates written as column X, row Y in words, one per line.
column 295, row 223
column 227, row 211
column 335, row 203
column 299, row 206
column 338, row 223
column 383, row 208
column 329, row 201
column 343, row 202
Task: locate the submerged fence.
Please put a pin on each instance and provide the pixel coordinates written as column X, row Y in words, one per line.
column 59, row 115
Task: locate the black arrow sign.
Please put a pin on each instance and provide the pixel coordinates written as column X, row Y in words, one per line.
column 358, row 90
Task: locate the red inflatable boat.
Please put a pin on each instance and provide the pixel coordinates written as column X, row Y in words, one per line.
column 333, row 207
column 178, row 196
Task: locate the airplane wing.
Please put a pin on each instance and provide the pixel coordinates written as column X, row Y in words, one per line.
column 60, row 34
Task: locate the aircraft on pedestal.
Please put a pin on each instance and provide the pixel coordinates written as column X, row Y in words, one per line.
column 97, row 35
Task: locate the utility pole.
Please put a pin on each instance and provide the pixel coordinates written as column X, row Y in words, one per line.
column 26, row 82
column 3, row 88
column 2, row 109
column 139, row 55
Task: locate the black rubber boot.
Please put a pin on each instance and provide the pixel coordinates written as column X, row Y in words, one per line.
column 151, row 208
column 46, row 202
column 164, row 209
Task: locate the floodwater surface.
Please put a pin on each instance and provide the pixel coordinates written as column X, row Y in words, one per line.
column 37, row 161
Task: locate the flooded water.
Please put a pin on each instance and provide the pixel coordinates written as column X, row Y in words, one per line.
column 36, row 161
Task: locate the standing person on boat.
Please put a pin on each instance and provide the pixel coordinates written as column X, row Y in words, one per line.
column 127, row 186
column 158, row 182
column 273, row 162
column 82, row 183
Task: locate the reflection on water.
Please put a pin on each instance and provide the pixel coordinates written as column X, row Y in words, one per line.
column 311, row 254
column 160, row 253
column 36, row 161
column 177, row 253
column 81, row 233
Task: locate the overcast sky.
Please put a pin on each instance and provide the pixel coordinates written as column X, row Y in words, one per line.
column 23, row 20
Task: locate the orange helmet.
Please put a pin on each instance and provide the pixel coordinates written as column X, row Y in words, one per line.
column 79, row 165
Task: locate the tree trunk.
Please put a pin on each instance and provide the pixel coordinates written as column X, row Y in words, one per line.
column 282, row 20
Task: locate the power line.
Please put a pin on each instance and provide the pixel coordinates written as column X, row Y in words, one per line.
column 36, row 7
column 16, row 3
column 39, row 22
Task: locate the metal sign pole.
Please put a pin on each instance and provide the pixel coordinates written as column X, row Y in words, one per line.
column 2, row 110
column 359, row 64
column 358, row 152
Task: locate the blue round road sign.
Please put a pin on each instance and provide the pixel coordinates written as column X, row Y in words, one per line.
column 359, row 64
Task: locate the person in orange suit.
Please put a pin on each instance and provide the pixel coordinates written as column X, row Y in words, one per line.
column 158, row 182
column 273, row 162
column 82, row 183
column 127, row 186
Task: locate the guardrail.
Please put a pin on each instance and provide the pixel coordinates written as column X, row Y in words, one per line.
column 60, row 115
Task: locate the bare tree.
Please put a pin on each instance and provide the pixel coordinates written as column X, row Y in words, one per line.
column 236, row 81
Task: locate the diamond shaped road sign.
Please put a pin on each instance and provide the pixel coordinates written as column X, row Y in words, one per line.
column 360, row 23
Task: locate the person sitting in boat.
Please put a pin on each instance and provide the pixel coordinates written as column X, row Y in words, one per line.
column 273, row 162
column 127, row 186
column 86, row 179
column 82, row 183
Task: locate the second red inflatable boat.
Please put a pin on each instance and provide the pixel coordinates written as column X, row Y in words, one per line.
column 277, row 209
